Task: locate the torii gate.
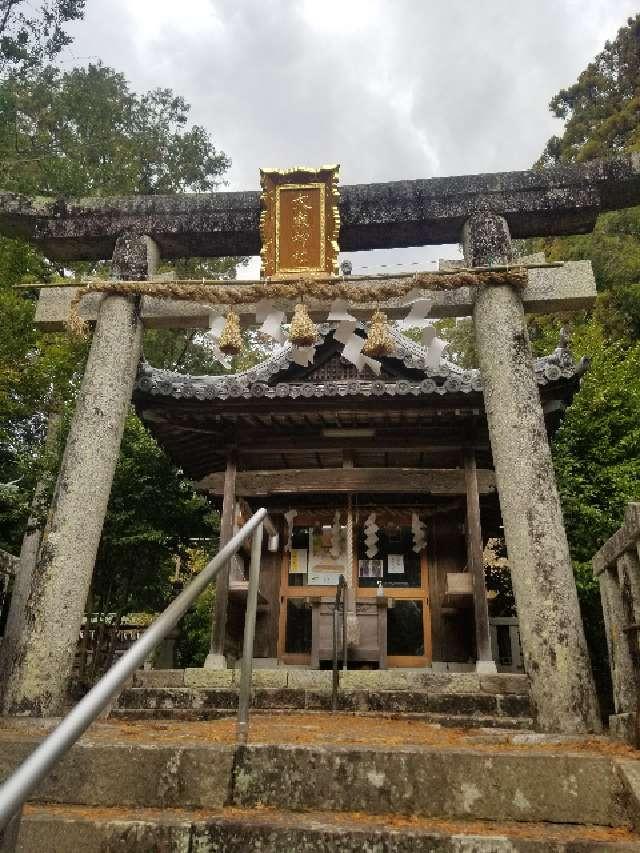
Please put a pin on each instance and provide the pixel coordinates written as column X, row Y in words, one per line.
column 484, row 212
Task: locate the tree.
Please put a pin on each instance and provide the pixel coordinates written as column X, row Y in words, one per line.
column 601, row 111
column 83, row 132
column 597, row 448
column 31, row 36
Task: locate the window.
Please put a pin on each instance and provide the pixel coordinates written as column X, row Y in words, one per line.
column 318, row 555
column 395, row 563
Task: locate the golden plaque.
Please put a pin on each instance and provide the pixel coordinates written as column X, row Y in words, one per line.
column 299, row 222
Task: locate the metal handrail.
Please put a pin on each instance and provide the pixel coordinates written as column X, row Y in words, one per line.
column 17, row 788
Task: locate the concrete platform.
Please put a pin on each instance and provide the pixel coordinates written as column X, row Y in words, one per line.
column 460, row 699
column 61, row 829
column 353, row 679
column 317, row 781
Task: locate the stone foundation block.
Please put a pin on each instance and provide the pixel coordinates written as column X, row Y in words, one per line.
column 266, row 677
column 310, row 679
column 623, row 727
column 208, row 678
column 274, row 698
column 464, row 784
column 159, row 678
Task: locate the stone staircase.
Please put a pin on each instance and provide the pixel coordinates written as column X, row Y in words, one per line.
column 312, row 782
column 452, row 699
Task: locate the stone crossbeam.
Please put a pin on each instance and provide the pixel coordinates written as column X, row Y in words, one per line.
column 562, row 200
column 568, row 288
column 624, row 539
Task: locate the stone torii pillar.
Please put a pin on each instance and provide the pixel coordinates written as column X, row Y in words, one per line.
column 551, row 630
column 39, row 648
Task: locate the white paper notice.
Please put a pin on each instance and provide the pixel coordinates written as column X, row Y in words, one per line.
column 324, row 578
column 298, row 564
column 395, row 564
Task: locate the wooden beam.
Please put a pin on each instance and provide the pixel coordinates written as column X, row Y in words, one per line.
column 256, row 442
column 476, row 560
column 228, row 491
column 567, row 288
column 436, row 481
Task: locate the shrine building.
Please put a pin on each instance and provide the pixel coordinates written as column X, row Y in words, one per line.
column 332, row 450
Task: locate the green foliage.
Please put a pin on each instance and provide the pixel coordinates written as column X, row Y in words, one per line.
column 597, row 448
column 153, row 514
column 602, row 108
column 85, row 132
column 32, row 35
column 192, row 645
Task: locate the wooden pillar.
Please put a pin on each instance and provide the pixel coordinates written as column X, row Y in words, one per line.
column 38, row 651
column 215, row 659
column 485, row 662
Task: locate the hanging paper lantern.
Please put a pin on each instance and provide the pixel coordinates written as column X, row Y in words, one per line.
column 303, row 331
column 231, row 338
column 379, row 338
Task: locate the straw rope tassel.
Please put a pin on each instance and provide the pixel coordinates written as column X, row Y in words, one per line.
column 379, row 338
column 231, row 337
column 303, row 332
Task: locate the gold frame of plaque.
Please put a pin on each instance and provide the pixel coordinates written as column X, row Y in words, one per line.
column 299, row 222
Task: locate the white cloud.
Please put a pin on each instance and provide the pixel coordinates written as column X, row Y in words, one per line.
column 391, row 89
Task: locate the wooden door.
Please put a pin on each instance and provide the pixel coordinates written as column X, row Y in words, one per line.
column 408, row 619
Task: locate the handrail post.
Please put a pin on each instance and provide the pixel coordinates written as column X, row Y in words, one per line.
column 336, row 675
column 246, row 666
column 345, row 616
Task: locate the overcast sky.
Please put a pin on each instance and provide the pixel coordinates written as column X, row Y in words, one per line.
column 389, row 89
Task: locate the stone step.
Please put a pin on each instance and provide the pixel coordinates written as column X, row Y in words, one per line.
column 356, row 679
column 51, row 829
column 460, row 721
column 341, row 764
column 293, row 698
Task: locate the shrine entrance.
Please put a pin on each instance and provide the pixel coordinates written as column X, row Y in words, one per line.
column 389, row 593
column 351, row 406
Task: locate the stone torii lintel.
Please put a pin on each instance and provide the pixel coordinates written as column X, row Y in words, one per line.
column 570, row 287
column 557, row 201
